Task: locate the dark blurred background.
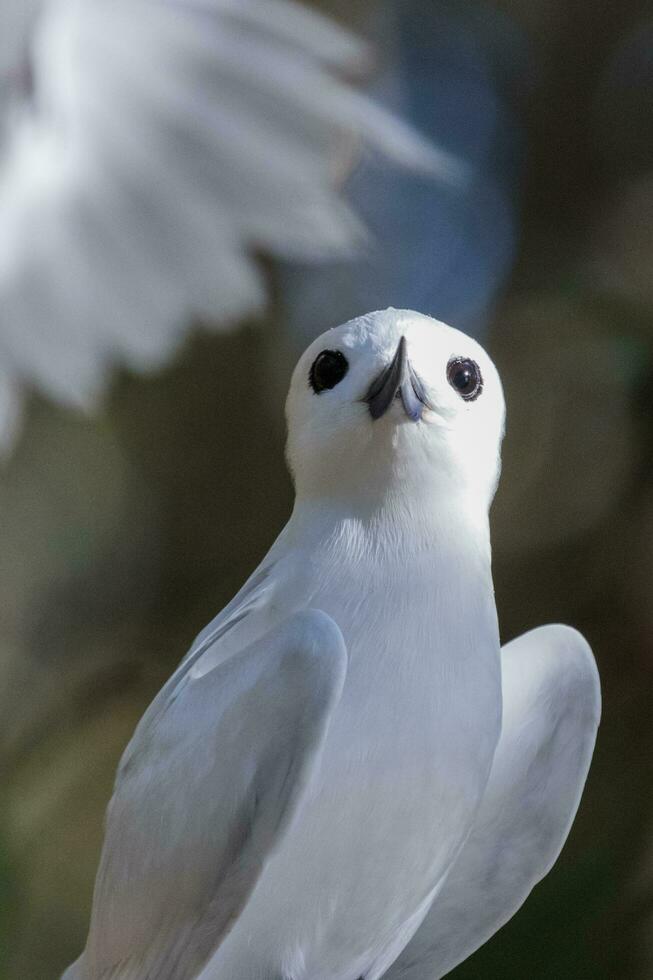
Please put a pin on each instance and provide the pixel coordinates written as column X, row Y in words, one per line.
column 123, row 534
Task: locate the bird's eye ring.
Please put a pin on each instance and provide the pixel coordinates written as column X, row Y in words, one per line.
column 327, row 370
column 464, row 376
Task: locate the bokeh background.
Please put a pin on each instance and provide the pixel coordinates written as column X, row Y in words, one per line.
column 124, row 531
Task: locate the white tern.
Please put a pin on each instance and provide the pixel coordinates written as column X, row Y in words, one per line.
column 149, row 149
column 346, row 777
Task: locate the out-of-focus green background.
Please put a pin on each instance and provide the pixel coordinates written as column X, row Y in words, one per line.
column 123, row 534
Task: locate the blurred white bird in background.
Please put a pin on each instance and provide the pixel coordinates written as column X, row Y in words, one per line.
column 148, row 148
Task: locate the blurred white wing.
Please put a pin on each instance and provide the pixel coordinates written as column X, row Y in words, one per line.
column 204, row 794
column 552, row 705
column 147, row 149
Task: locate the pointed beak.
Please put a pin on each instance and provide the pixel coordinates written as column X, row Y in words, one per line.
column 398, row 380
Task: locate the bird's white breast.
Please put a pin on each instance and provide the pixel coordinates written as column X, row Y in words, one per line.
column 405, row 763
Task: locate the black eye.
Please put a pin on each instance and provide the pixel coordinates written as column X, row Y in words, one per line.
column 327, row 370
column 464, row 375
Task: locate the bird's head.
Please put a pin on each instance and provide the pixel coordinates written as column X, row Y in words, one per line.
column 395, row 401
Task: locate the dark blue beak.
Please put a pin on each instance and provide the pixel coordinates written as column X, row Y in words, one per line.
column 398, row 380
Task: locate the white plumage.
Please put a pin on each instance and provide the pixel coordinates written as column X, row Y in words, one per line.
column 346, row 777
column 147, row 149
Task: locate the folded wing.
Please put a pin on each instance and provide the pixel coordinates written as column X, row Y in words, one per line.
column 203, row 797
column 551, row 714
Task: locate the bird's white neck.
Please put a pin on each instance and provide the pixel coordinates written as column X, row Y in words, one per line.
column 395, row 526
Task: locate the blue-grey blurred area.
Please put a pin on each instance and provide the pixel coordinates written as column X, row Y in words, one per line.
column 461, row 74
column 124, row 532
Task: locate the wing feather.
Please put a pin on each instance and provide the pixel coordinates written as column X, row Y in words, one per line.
column 204, row 797
column 552, row 705
column 166, row 141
